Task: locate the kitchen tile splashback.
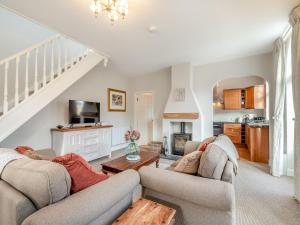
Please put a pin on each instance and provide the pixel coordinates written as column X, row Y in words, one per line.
column 233, row 115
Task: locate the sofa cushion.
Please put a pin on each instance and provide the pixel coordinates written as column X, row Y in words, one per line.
column 212, row 162
column 83, row 175
column 202, row 147
column 189, row 163
column 43, row 182
column 191, row 146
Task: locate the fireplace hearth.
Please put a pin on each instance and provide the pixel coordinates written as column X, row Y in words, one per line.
column 179, row 140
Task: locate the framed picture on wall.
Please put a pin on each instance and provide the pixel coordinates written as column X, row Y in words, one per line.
column 116, row 100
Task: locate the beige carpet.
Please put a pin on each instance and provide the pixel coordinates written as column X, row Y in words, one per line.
column 261, row 198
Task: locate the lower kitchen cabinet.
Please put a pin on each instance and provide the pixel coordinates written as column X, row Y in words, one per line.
column 234, row 132
column 257, row 140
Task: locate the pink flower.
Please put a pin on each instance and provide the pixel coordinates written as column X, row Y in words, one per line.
column 132, row 135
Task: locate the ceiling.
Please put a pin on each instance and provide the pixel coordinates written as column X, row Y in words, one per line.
column 196, row 31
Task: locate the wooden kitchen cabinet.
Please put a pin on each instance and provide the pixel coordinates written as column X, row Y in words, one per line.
column 232, row 99
column 255, row 97
column 258, row 144
column 247, row 132
column 234, row 132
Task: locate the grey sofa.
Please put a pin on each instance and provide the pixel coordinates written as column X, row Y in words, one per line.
column 199, row 200
column 37, row 192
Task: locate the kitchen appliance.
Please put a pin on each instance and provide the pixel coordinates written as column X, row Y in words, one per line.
column 218, row 128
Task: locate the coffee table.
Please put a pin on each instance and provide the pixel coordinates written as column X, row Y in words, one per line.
column 121, row 164
column 146, row 212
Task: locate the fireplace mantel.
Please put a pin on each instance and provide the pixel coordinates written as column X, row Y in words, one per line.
column 181, row 116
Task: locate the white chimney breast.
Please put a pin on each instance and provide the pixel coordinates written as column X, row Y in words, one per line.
column 182, row 78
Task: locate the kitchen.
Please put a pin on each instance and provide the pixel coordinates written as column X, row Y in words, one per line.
column 241, row 113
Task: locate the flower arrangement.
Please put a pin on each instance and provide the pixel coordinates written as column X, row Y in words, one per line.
column 132, row 151
column 132, row 135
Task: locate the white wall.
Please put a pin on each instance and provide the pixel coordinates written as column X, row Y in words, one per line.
column 92, row 87
column 18, row 33
column 160, row 84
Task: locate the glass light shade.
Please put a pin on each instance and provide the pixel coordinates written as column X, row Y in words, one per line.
column 122, row 7
column 96, row 7
column 113, row 14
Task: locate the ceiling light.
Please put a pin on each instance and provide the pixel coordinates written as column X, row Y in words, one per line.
column 152, row 29
column 113, row 8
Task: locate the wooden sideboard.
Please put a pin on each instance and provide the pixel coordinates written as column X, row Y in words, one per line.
column 89, row 142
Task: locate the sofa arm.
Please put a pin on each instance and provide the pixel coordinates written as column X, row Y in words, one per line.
column 87, row 205
column 198, row 190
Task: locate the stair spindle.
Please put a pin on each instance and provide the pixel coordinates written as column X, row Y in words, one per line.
column 17, row 82
column 26, row 76
column 52, row 61
column 44, row 66
column 59, row 55
column 5, row 100
column 36, row 71
column 66, row 56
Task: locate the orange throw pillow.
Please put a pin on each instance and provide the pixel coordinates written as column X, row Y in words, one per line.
column 203, row 146
column 83, row 175
column 23, row 149
column 30, row 153
column 205, row 143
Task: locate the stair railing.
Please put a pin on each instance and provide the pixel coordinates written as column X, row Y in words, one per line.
column 58, row 48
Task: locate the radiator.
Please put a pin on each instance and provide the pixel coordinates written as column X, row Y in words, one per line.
column 117, row 137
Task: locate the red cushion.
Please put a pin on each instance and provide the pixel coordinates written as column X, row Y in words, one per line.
column 23, row 149
column 82, row 173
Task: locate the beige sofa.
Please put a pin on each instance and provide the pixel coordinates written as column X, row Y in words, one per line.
column 37, row 192
column 199, row 200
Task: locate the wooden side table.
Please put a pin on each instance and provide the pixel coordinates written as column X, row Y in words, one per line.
column 146, row 212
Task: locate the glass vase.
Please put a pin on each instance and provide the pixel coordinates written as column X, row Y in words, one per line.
column 132, row 151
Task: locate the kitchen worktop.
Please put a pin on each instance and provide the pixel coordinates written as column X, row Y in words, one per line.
column 251, row 124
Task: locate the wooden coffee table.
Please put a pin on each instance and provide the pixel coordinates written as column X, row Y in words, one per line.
column 146, row 212
column 121, row 164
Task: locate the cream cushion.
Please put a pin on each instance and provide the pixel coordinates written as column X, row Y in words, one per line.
column 189, row 163
column 43, row 182
column 212, row 162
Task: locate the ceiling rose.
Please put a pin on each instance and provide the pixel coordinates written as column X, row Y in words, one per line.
column 114, row 8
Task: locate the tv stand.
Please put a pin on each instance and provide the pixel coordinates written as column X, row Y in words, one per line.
column 90, row 142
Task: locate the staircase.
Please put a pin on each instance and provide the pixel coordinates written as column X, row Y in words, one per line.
column 31, row 79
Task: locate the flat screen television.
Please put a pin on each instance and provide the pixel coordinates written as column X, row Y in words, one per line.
column 83, row 112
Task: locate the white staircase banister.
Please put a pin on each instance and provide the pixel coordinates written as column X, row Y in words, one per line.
column 29, row 49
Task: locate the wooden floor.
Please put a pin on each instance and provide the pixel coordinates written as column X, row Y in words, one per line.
column 243, row 151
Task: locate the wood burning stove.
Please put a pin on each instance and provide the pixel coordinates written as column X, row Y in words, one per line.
column 179, row 140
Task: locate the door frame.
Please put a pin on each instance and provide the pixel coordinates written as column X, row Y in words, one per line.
column 134, row 108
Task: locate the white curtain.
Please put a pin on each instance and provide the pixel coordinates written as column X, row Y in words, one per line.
column 295, row 23
column 278, row 133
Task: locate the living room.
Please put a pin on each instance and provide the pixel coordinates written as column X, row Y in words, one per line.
column 135, row 100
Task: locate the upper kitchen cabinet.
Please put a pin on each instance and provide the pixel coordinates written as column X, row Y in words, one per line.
column 232, row 99
column 255, row 97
